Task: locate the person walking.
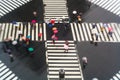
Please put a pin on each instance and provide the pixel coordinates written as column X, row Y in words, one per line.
column 61, row 74
column 97, row 35
column 110, row 31
column 10, row 54
column 39, row 36
column 53, row 38
column 94, row 25
column 84, row 62
column 66, row 46
column 102, row 29
column 79, row 19
column 94, row 31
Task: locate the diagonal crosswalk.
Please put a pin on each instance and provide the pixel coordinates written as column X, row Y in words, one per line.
column 57, row 59
column 55, row 9
column 116, row 76
column 83, row 31
column 7, row 6
column 110, row 5
column 10, row 30
column 6, row 73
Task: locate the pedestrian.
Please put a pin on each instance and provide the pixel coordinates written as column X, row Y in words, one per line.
column 95, row 43
column 15, row 44
column 53, row 38
column 27, row 41
column 39, row 36
column 61, row 74
column 94, row 31
column 84, row 62
column 66, row 46
column 79, row 19
column 55, row 31
column 94, row 25
column 34, row 13
column 110, row 31
column 33, row 23
column 19, row 34
column 52, row 21
column 10, row 54
column 97, row 35
column 30, row 51
column 23, row 37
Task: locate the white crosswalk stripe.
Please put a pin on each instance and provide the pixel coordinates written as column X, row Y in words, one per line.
column 55, row 9
column 83, row 31
column 110, row 5
column 10, row 30
column 57, row 59
column 116, row 76
column 6, row 73
column 7, row 6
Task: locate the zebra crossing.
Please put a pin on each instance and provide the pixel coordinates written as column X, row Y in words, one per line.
column 57, row 59
column 116, row 76
column 11, row 31
column 7, row 6
column 83, row 31
column 110, row 5
column 6, row 74
column 55, row 9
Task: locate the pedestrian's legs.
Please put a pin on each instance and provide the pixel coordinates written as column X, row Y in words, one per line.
column 39, row 38
column 11, row 58
column 53, row 41
column 66, row 50
column 96, row 44
column 84, row 65
column 96, row 38
column 92, row 39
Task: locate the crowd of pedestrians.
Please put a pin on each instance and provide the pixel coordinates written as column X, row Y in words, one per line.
column 95, row 34
column 9, row 45
column 26, row 41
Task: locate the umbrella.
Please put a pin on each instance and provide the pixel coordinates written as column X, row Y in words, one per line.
column 55, row 31
column 110, row 29
column 50, row 25
column 14, row 22
column 54, row 28
column 14, row 42
column 30, row 49
column 39, row 34
column 52, row 21
column 33, row 21
column 28, row 36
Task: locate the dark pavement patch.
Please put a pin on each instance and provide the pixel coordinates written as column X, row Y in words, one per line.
column 103, row 60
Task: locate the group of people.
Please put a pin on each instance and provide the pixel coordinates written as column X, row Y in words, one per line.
column 77, row 17
column 54, row 32
column 95, row 35
column 10, row 45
